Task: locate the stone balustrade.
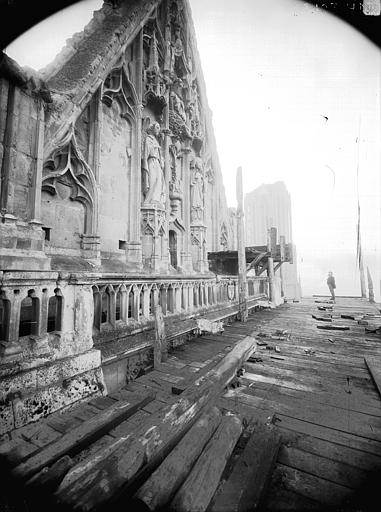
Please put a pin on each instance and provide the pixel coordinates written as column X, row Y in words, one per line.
column 122, row 303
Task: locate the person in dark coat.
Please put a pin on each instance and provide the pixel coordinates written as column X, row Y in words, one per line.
column 331, row 285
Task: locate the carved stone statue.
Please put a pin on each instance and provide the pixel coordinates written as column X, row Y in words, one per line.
column 177, row 102
column 152, row 167
column 197, row 190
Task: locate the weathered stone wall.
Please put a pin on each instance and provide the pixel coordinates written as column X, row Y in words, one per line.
column 109, row 170
column 115, row 175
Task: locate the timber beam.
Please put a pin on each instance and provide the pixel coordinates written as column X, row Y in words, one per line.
column 96, row 480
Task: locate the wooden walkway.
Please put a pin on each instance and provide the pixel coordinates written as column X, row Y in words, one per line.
column 312, row 384
column 323, row 401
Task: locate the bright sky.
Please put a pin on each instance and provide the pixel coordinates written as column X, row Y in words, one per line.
column 274, row 71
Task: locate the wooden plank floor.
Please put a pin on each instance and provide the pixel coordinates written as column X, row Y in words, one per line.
column 316, row 389
column 320, row 395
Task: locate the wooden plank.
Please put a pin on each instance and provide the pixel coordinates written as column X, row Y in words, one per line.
column 201, row 483
column 85, row 412
column 310, row 486
column 247, row 483
column 63, row 423
column 15, row 450
column 333, row 327
column 283, row 500
column 48, row 479
column 80, row 437
column 374, row 367
column 102, row 402
column 337, row 472
column 368, row 446
column 162, row 485
column 322, row 318
column 330, row 450
column 152, row 439
column 40, row 435
column 354, row 401
column 352, row 422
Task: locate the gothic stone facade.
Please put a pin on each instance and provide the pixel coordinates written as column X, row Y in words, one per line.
column 111, row 197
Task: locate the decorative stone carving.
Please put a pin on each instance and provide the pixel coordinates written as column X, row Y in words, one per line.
column 224, row 236
column 67, row 166
column 118, row 87
column 155, row 84
column 197, row 191
column 152, row 168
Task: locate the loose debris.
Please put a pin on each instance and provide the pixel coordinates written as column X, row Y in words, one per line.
column 309, row 351
column 255, row 359
column 277, row 357
column 322, row 318
column 277, row 349
column 333, row 327
column 205, row 325
column 261, row 343
column 325, row 308
column 331, row 340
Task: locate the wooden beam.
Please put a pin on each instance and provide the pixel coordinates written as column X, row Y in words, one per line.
column 201, row 483
column 242, row 284
column 93, row 482
column 256, row 260
column 162, row 485
column 80, row 437
column 278, row 265
column 265, row 266
column 282, row 244
column 374, row 367
column 249, row 479
column 271, row 241
column 333, row 327
column 270, row 273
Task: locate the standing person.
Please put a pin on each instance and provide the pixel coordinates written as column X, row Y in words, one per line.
column 331, row 285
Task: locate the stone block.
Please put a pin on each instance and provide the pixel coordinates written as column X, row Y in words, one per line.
column 81, row 386
column 22, row 383
column 6, row 417
column 81, row 363
column 38, row 405
column 48, row 375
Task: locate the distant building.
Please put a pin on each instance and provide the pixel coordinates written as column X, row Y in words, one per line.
column 270, row 206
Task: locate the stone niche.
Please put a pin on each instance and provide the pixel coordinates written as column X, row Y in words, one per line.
column 115, row 170
column 63, row 220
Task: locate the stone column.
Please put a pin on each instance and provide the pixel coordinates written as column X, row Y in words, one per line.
column 184, row 292
column 9, row 151
column 270, row 273
column 164, row 293
column 10, row 348
column 190, row 297
column 186, row 255
column 177, row 291
column 134, row 246
column 35, row 195
column 136, row 305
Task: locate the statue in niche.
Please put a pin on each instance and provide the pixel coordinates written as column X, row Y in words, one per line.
column 152, row 166
column 177, row 101
column 197, row 190
column 195, row 112
column 178, row 46
column 175, row 152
